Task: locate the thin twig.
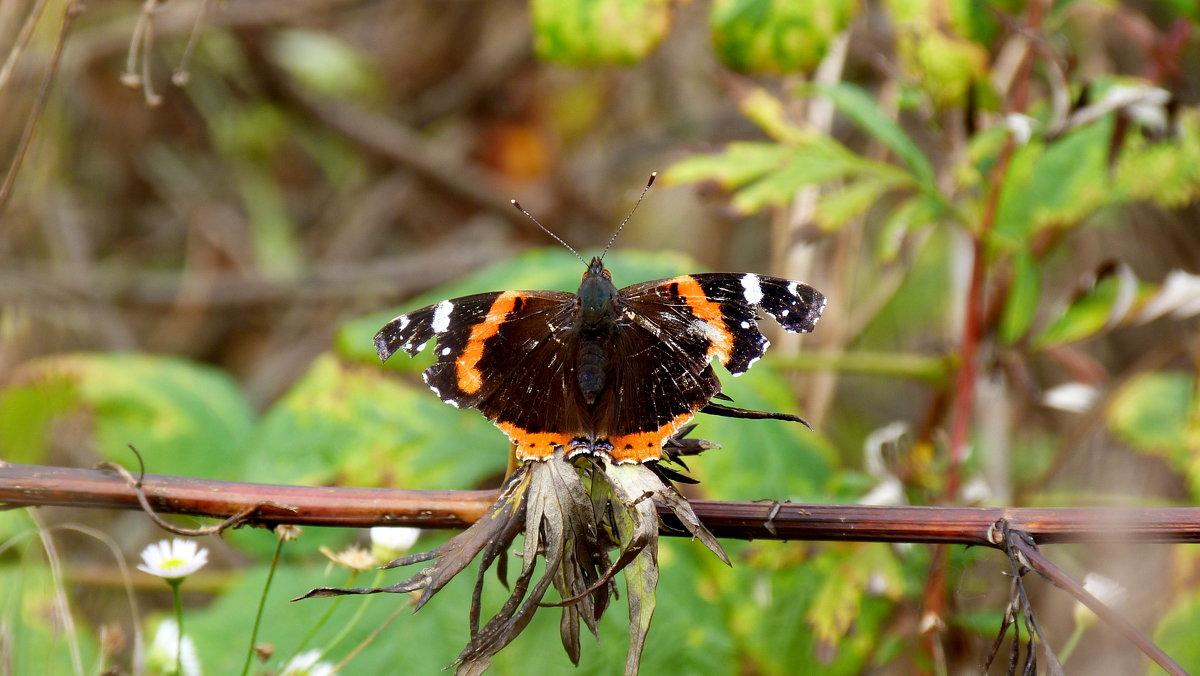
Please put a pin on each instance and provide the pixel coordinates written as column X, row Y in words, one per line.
column 1056, row 576
column 240, row 518
column 30, row 485
column 39, row 103
column 22, row 41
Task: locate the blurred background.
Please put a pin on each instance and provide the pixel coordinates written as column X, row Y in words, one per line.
column 209, row 208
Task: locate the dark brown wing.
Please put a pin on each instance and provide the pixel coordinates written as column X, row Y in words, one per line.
column 501, row 353
column 671, row 330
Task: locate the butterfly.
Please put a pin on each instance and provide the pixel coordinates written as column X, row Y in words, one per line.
column 604, row 371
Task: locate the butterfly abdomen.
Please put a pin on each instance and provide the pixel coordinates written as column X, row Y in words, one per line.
column 592, row 363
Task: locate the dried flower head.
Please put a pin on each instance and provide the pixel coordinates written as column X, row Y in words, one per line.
column 288, row 532
column 568, row 511
column 354, row 558
column 173, row 559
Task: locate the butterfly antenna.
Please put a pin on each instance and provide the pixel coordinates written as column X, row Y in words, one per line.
column 653, row 175
column 547, row 230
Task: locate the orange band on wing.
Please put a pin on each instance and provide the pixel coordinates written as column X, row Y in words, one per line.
column 534, row 445
column 646, row 446
column 467, row 365
column 710, row 313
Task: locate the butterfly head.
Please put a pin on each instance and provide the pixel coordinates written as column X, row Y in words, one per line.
column 597, row 296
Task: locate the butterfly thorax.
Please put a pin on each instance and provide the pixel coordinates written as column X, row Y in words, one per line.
column 595, row 320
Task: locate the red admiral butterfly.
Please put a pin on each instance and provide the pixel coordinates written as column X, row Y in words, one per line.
column 614, row 373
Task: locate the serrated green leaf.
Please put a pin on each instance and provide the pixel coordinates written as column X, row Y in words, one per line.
column 597, row 32
column 857, row 105
column 1021, row 305
column 777, row 35
column 738, row 164
column 780, row 187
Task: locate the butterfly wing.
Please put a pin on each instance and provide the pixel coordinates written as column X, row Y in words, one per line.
column 504, row 353
column 672, row 330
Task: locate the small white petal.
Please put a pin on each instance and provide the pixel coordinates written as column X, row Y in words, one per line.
column 400, row 538
column 1073, row 397
column 888, row 492
column 1179, row 297
column 873, row 447
column 307, row 664
column 1020, row 126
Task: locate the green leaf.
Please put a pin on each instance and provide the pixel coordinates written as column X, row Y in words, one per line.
column 839, row 600
column 856, row 104
column 1085, row 316
column 1176, row 633
column 790, row 461
column 836, row 207
column 912, row 213
column 27, row 410
column 1022, row 301
column 777, row 35
column 597, row 32
column 1150, row 413
column 363, row 426
column 184, row 418
column 740, row 163
column 35, row 640
column 1056, row 185
column 805, row 169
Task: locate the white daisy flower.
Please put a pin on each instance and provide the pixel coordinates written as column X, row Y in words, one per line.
column 307, row 663
column 391, row 542
column 161, row 657
column 173, row 559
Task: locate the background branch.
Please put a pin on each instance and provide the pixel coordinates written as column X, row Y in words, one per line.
column 36, row 485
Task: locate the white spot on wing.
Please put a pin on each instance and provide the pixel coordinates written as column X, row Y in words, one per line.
column 784, row 313
column 401, row 322
column 450, row 401
column 745, row 325
column 752, row 289
column 794, row 288
column 421, row 347
column 445, row 351
column 441, row 316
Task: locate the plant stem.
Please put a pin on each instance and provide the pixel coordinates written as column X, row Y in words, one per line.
column 362, row 609
column 262, row 602
column 324, row 618
column 1072, row 642
column 177, row 597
